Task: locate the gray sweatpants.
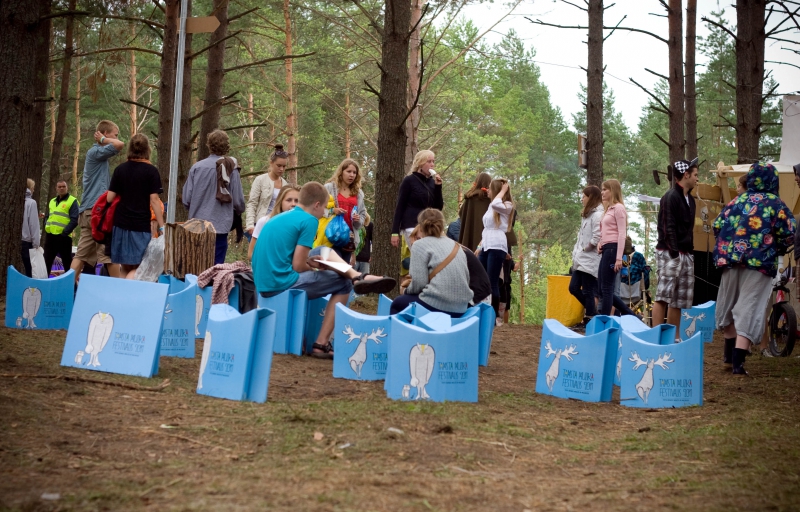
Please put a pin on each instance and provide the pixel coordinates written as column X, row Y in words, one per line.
column 742, row 299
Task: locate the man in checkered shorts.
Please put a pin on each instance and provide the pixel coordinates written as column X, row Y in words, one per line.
column 675, row 245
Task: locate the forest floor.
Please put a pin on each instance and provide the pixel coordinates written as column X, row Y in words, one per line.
column 321, row 443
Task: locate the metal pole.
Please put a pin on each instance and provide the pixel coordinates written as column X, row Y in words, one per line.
column 172, row 194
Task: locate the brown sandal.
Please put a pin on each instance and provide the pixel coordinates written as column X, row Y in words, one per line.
column 326, row 351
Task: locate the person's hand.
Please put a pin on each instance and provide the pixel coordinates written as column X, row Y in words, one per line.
column 356, row 217
column 599, row 248
column 477, row 252
column 395, row 240
column 617, row 265
column 98, row 136
column 250, row 230
column 516, row 267
column 312, row 261
column 437, row 180
column 503, row 189
column 41, row 215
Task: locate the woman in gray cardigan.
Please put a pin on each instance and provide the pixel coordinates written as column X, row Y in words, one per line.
column 348, row 199
column 30, row 228
column 585, row 258
column 448, row 291
column 266, row 188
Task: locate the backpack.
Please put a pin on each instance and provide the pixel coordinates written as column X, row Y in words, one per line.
column 103, row 219
column 248, row 298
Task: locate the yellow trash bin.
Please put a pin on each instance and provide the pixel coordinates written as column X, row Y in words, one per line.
column 561, row 305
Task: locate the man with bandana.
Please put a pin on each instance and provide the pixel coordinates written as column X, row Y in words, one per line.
column 675, row 246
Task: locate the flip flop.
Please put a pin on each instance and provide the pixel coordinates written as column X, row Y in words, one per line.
column 382, row 285
column 327, row 351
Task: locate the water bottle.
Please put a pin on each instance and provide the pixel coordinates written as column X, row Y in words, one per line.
column 354, row 212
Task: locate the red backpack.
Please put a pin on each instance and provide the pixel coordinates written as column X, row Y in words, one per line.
column 103, row 218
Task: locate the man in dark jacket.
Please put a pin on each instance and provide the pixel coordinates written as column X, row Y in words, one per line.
column 675, row 246
column 62, row 219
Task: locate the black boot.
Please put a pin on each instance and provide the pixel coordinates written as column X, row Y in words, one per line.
column 727, row 354
column 739, row 355
column 496, row 305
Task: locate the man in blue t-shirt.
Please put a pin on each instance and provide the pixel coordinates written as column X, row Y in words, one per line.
column 283, row 259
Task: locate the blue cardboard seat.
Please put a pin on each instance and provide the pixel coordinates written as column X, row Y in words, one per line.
column 487, row 323
column 39, row 303
column 180, row 319
column 237, row 354
column 202, row 305
column 576, row 366
column 660, row 376
column 315, row 313
column 290, row 320
column 361, row 343
column 700, row 319
column 433, row 357
column 384, row 305
column 116, row 325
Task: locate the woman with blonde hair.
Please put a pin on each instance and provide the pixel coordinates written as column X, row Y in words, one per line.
column 613, row 229
column 476, row 202
column 493, row 248
column 31, row 234
column 348, row 201
column 438, row 270
column 585, row 259
column 288, row 197
column 420, row 189
column 265, row 189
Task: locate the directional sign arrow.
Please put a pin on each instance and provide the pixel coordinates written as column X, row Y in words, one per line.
column 201, row 24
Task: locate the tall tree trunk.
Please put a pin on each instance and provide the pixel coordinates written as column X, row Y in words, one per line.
column 186, row 138
column 214, row 79
column 166, row 90
column 134, row 89
column 750, row 38
column 37, row 167
column 414, row 78
column 63, row 103
column 677, row 138
column 347, row 137
column 594, row 96
column 20, row 48
column 392, row 108
column 77, row 153
column 691, row 95
column 291, row 120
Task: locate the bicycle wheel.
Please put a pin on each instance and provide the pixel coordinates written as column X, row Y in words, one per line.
column 782, row 330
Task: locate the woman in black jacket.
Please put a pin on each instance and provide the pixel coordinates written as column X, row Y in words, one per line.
column 420, row 189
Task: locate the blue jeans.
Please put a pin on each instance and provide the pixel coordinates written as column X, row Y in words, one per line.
column 582, row 286
column 492, row 260
column 221, row 248
column 607, row 277
column 402, row 302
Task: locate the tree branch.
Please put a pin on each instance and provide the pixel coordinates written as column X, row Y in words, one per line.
column 629, row 29
column 198, row 52
column 219, row 102
column 421, row 17
column 371, row 20
column 669, row 112
column 719, row 25
column 264, row 61
column 784, row 63
column 657, row 74
column 63, row 14
column 258, row 125
column 288, row 169
column 151, row 109
column 152, row 23
column 659, row 109
column 419, row 87
column 110, row 50
column 790, row 14
column 158, row 4
column 661, row 139
column 615, row 27
column 576, row 6
column 730, row 124
column 242, row 14
column 371, row 89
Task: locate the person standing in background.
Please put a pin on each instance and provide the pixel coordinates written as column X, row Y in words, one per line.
column 476, row 203
column 62, row 219
column 213, row 191
column 31, row 235
column 265, row 189
column 96, row 178
column 420, row 189
column 365, row 255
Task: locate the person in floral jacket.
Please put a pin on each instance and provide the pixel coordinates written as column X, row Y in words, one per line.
column 751, row 232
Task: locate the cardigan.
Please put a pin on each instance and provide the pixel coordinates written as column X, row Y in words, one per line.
column 416, row 194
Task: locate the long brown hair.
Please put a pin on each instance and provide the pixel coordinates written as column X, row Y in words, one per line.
column 278, row 208
column 615, row 188
column 482, row 181
column 494, row 189
column 595, row 198
column 338, row 178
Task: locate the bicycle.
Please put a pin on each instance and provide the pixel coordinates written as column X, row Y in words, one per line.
column 782, row 322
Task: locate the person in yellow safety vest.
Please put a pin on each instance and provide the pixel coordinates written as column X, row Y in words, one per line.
column 62, row 218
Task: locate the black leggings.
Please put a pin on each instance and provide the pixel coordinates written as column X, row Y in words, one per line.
column 582, row 286
column 26, row 257
column 606, row 276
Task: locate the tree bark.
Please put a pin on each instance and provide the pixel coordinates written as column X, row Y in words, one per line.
column 750, row 38
column 63, row 103
column 20, row 46
column 166, row 90
column 392, row 108
column 77, row 153
column 291, row 121
column 414, row 78
column 186, row 137
column 689, row 66
column 594, row 96
column 347, row 137
column 215, row 77
column 134, row 89
column 37, row 168
column 677, row 138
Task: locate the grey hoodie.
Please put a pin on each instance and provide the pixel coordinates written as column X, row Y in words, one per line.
column 584, row 255
column 30, row 221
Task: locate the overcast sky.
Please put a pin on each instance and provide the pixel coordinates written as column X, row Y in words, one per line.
column 560, row 52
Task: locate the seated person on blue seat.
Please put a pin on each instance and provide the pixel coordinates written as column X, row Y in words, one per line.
column 288, row 197
column 284, row 259
column 433, row 254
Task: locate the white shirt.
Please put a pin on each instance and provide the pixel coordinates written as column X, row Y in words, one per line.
column 260, row 226
column 494, row 236
column 271, row 206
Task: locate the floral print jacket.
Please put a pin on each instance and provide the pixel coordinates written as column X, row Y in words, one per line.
column 756, row 227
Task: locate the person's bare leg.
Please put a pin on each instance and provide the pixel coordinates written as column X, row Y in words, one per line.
column 77, row 267
column 326, row 329
column 674, row 318
column 729, row 331
column 659, row 312
column 128, row 271
column 113, row 270
column 351, row 273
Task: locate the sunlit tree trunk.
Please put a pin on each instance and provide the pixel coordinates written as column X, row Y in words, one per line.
column 63, row 103
column 414, row 70
column 750, row 38
column 594, row 95
column 166, row 90
column 677, row 137
column 77, row 153
column 291, row 121
column 134, row 89
column 691, row 95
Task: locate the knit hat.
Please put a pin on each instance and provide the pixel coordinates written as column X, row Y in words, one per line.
column 681, row 166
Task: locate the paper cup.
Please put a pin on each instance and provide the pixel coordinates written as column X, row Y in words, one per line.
column 324, row 252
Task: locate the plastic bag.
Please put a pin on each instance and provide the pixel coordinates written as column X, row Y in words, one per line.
column 153, row 261
column 321, row 239
column 38, row 268
column 338, row 232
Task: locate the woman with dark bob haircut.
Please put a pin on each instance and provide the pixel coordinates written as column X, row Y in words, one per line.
column 138, row 184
